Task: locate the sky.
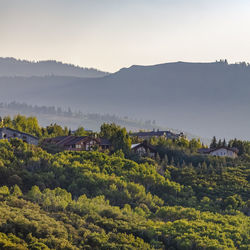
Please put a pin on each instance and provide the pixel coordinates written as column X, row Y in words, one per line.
column 112, row 34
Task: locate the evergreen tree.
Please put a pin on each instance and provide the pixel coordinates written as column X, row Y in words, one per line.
column 165, row 159
column 213, row 143
column 172, row 162
column 16, row 191
column 118, row 137
column 158, row 158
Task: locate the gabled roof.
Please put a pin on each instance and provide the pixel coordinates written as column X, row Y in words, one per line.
column 68, row 140
column 135, row 145
column 17, row 131
column 144, row 144
column 72, row 140
column 75, row 140
column 235, row 150
column 61, row 141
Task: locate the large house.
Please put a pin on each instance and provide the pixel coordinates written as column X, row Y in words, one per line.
column 78, row 143
column 8, row 133
column 144, row 149
column 221, row 151
column 145, row 135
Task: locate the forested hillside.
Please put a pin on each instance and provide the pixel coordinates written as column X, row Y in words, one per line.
column 117, row 200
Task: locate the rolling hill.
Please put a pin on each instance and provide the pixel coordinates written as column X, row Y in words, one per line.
column 14, row 67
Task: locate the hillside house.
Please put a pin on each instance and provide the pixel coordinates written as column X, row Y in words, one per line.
column 145, row 135
column 78, row 143
column 144, row 149
column 8, row 133
column 221, row 151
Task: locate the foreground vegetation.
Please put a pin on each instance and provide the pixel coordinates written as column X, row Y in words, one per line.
column 117, row 200
column 88, row 200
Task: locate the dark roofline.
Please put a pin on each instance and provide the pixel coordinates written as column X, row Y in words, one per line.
column 157, row 132
column 72, row 140
column 14, row 130
column 76, row 140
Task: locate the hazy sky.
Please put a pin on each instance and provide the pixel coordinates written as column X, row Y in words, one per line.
column 111, row 34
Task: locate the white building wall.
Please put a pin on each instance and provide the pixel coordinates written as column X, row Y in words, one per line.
column 224, row 152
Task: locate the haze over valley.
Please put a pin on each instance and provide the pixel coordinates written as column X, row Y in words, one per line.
column 124, row 124
column 200, row 98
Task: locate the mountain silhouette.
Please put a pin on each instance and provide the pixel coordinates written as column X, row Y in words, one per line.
column 14, row 67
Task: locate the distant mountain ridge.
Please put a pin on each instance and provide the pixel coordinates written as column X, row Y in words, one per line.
column 14, row 67
column 205, row 99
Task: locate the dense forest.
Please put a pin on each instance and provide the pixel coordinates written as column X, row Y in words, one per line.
column 118, row 200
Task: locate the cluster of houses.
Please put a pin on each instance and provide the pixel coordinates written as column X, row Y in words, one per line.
column 87, row 143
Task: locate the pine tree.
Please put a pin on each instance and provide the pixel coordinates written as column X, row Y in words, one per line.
column 166, row 159
column 183, row 164
column 158, row 158
column 213, row 143
column 172, row 162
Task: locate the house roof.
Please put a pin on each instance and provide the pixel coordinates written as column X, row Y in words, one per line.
column 235, row 150
column 62, row 140
column 72, row 140
column 204, row 150
column 75, row 140
column 135, row 145
column 209, row 150
column 17, row 131
column 156, row 133
column 143, row 144
column 68, row 140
